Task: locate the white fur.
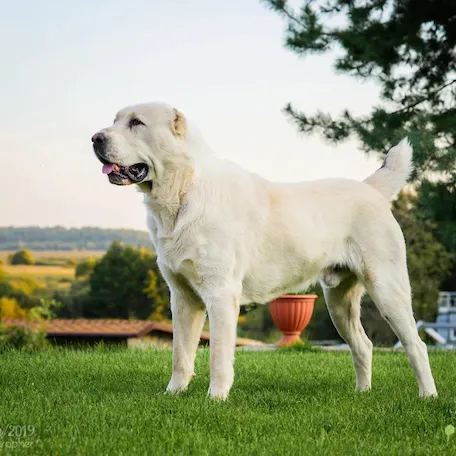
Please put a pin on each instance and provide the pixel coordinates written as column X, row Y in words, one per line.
column 395, row 170
column 226, row 237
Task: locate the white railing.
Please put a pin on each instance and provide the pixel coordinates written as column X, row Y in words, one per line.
column 447, row 301
column 430, row 329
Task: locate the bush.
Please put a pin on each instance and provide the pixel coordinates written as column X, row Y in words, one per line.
column 22, row 289
column 10, row 308
column 22, row 337
column 22, row 256
column 28, row 286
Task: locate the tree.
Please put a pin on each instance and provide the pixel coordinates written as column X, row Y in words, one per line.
column 85, row 268
column 408, row 47
column 76, row 301
column 118, row 283
column 157, row 290
column 22, row 256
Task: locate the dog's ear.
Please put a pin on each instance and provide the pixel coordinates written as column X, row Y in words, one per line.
column 179, row 124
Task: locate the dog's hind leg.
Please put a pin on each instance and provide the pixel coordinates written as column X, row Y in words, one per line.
column 344, row 305
column 388, row 285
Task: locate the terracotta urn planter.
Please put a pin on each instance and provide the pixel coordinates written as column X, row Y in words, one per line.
column 291, row 314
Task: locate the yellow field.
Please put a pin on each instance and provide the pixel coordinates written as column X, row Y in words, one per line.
column 46, row 255
column 38, row 271
column 57, row 272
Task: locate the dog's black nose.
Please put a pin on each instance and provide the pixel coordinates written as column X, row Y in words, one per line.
column 99, row 139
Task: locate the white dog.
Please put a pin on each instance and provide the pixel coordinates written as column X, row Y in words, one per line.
column 225, row 237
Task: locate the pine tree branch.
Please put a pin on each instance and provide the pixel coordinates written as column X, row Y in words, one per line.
column 424, row 98
column 281, row 8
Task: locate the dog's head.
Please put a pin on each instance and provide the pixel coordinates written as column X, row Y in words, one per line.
column 142, row 140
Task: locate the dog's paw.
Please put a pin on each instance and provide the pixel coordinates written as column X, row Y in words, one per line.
column 177, row 384
column 363, row 388
column 178, row 390
column 218, row 393
column 429, row 394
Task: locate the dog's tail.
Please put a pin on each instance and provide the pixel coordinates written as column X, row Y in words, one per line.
column 395, row 170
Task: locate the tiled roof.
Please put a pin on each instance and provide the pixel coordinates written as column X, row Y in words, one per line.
column 95, row 327
column 82, row 327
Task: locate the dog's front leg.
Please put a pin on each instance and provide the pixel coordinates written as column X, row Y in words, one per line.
column 223, row 312
column 188, row 319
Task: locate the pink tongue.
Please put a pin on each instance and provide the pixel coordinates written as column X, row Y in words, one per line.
column 107, row 169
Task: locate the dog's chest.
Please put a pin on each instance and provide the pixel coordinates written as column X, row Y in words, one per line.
column 175, row 251
column 179, row 255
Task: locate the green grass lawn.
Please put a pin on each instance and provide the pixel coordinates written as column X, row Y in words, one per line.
column 111, row 402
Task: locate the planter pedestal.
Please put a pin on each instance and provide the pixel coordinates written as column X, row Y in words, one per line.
column 291, row 314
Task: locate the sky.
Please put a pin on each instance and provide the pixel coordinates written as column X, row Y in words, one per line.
column 68, row 67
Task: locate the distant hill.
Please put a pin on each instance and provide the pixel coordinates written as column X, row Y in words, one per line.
column 60, row 238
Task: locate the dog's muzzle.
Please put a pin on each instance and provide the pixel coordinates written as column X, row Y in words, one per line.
column 117, row 174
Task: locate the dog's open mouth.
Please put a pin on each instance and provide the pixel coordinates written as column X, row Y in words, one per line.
column 125, row 175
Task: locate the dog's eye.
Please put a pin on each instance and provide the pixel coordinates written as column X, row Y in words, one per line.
column 135, row 122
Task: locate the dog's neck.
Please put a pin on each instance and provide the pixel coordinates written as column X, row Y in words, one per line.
column 166, row 194
column 165, row 197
